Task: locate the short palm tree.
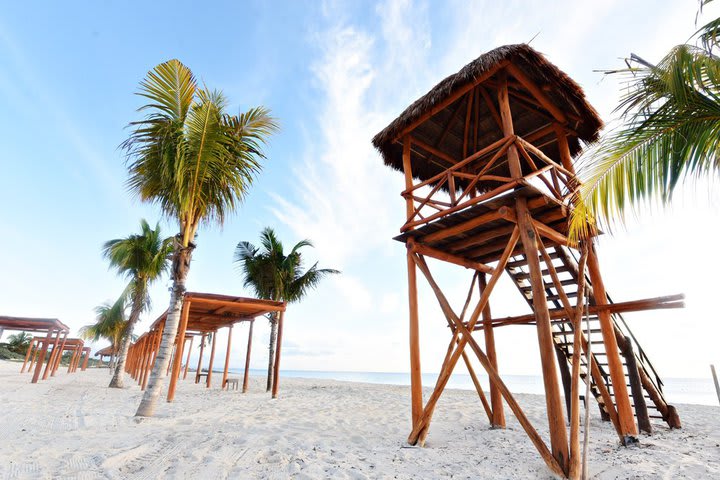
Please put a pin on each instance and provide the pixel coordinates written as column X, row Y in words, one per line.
column 19, row 342
column 110, row 324
column 273, row 275
column 143, row 258
column 197, row 163
column 670, row 134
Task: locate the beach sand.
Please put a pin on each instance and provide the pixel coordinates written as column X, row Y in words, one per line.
column 72, row 426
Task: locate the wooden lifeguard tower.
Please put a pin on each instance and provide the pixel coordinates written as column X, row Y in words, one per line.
column 489, row 184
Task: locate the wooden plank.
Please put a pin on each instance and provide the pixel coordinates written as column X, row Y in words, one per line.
column 447, row 257
column 465, row 226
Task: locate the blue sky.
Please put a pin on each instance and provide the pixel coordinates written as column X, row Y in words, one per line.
column 334, row 73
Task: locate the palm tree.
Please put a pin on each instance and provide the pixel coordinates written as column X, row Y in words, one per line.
column 143, row 258
column 670, row 134
column 19, row 342
column 197, row 163
column 272, row 275
column 110, row 324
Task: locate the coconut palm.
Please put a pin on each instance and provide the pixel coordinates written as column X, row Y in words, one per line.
column 272, row 275
column 196, row 162
column 19, row 342
column 110, row 324
column 670, row 134
column 143, row 258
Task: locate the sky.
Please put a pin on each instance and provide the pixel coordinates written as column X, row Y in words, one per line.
column 334, row 73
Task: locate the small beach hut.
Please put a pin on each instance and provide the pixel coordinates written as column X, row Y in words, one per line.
column 52, row 327
column 487, row 156
column 203, row 315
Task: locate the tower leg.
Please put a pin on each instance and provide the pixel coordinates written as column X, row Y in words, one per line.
column 414, row 330
column 626, row 421
column 498, row 415
column 556, row 418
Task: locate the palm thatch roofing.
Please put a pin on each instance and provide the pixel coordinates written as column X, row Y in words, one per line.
column 27, row 324
column 106, row 352
column 443, row 126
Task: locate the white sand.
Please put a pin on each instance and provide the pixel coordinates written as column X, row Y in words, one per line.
column 72, row 426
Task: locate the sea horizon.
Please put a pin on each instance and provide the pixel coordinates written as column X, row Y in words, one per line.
column 698, row 391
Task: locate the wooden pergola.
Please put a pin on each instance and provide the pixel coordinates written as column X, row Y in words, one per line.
column 108, row 351
column 490, row 183
column 203, row 315
column 53, row 328
column 74, row 345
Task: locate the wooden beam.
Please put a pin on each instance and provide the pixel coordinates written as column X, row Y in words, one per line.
column 447, row 257
column 498, row 415
column 200, row 358
column 536, row 92
column 465, row 226
column 187, row 360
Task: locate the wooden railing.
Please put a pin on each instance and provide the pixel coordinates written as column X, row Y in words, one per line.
column 455, row 188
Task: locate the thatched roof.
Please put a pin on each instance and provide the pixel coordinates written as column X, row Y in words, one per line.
column 106, row 352
column 562, row 91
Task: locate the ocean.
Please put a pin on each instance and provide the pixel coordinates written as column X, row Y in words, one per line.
column 699, row 391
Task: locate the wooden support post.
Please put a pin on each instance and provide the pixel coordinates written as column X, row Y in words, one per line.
column 200, row 359
column 51, row 361
column 641, row 412
column 85, row 360
column 30, row 349
column 58, row 357
column 278, row 349
column 35, row 355
column 208, row 382
column 227, row 358
column 187, row 360
column 414, row 327
column 565, row 377
column 617, row 375
column 556, row 420
column 498, row 414
column 41, row 358
column 715, row 379
column 246, row 376
column 179, row 347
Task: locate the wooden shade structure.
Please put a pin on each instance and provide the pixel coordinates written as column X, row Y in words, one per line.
column 203, row 314
column 489, row 186
column 52, row 327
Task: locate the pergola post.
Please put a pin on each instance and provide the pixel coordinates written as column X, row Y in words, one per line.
column 227, row 358
column 41, row 358
column 179, row 346
column 187, row 360
column 278, row 349
column 200, row 358
column 58, row 357
column 50, row 365
column 86, row 358
column 30, row 349
column 247, row 357
column 34, row 357
column 212, row 359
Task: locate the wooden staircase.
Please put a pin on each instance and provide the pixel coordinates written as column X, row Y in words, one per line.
column 565, row 264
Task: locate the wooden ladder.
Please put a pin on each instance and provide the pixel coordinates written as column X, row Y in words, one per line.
column 565, row 264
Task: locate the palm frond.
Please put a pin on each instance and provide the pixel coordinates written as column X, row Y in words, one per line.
column 671, row 133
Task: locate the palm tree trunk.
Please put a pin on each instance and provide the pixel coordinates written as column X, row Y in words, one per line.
column 181, row 266
column 137, row 304
column 273, row 343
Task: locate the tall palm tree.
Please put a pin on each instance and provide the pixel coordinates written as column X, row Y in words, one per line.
column 197, row 163
column 143, row 258
column 272, row 275
column 670, row 134
column 110, row 324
